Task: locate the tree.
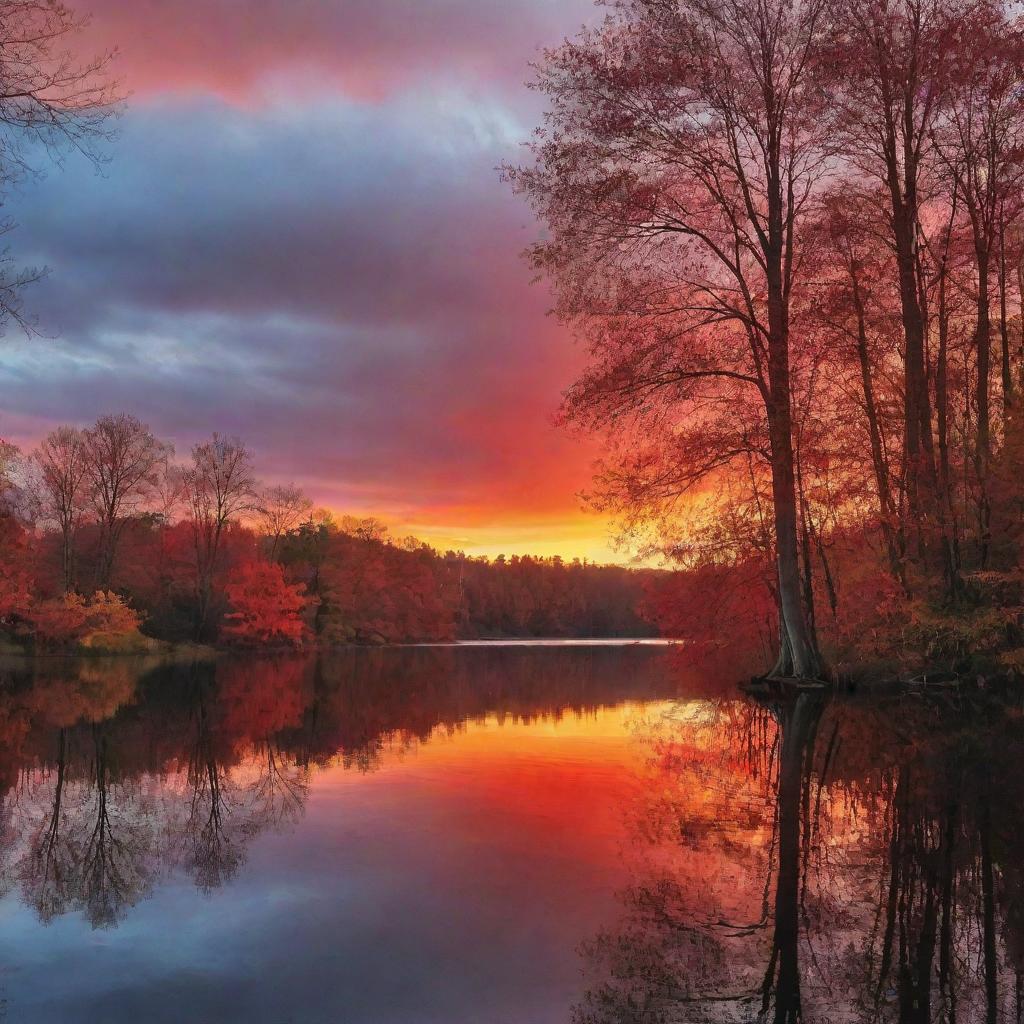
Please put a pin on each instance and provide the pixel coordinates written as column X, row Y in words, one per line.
column 50, row 102
column 364, row 527
column 855, row 309
column 218, row 486
column 979, row 135
column 281, row 509
column 63, row 469
column 890, row 75
column 122, row 459
column 264, row 609
column 9, row 454
column 683, row 147
column 105, row 621
column 15, row 578
column 17, row 487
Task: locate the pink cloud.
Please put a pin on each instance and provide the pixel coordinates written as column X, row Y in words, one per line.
column 365, row 48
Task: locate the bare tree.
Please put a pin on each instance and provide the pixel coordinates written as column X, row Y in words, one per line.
column 51, row 101
column 9, row 455
column 281, row 509
column 122, row 464
column 63, row 474
column 363, row 527
column 218, row 486
column 891, row 75
column 979, row 140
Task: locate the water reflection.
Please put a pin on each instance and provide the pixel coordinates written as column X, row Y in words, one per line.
column 802, row 857
column 806, row 859
column 116, row 775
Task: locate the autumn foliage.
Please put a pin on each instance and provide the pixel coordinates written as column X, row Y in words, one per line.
column 198, row 549
column 15, row 578
column 264, row 608
column 791, row 237
column 103, row 622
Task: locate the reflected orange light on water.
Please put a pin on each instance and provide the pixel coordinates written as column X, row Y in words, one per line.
column 550, row 788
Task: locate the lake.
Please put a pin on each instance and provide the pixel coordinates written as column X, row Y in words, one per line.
column 502, row 835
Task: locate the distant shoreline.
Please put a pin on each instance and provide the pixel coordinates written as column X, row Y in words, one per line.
column 204, row 652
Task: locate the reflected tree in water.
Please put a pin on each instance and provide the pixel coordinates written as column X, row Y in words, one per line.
column 89, row 843
column 812, row 860
column 117, row 775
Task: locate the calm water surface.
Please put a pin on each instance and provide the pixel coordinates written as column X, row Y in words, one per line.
column 520, row 835
column 397, row 835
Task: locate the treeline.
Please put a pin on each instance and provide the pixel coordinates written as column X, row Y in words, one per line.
column 792, row 236
column 106, row 539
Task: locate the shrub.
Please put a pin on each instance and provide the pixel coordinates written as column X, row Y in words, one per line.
column 111, row 624
column 104, row 623
column 58, row 622
column 265, row 609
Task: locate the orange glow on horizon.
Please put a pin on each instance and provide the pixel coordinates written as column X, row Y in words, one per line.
column 585, row 537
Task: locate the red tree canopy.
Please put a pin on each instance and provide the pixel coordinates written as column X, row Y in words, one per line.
column 264, row 608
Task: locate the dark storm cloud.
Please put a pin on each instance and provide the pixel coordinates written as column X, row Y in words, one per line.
column 336, row 281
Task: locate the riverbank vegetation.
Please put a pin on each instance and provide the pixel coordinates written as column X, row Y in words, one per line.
column 111, row 543
column 791, row 236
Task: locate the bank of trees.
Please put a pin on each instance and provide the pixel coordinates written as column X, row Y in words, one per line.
column 791, row 235
column 109, row 537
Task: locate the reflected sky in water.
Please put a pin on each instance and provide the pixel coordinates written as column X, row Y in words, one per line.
column 406, row 836
column 582, row 835
column 824, row 857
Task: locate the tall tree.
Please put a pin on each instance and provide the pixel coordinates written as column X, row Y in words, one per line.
column 856, row 308
column 122, row 458
column 888, row 70
column 979, row 138
column 280, row 509
column 685, row 142
column 218, row 486
column 64, row 471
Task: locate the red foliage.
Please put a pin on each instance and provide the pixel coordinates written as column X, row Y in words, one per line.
column 15, row 580
column 377, row 592
column 725, row 615
column 258, row 698
column 69, row 620
column 59, row 622
column 265, row 609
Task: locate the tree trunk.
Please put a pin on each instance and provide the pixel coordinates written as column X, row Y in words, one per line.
column 105, row 557
column 917, row 411
column 798, row 656
column 1004, row 326
column 796, row 723
column 983, row 350
column 67, row 558
column 798, row 652
column 942, row 387
column 885, row 503
column 988, row 914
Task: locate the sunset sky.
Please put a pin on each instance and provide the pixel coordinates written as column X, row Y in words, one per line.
column 301, row 238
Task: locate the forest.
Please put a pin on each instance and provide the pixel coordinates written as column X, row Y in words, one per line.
column 790, row 236
column 111, row 544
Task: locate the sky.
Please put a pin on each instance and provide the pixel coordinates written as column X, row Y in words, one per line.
column 300, row 238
